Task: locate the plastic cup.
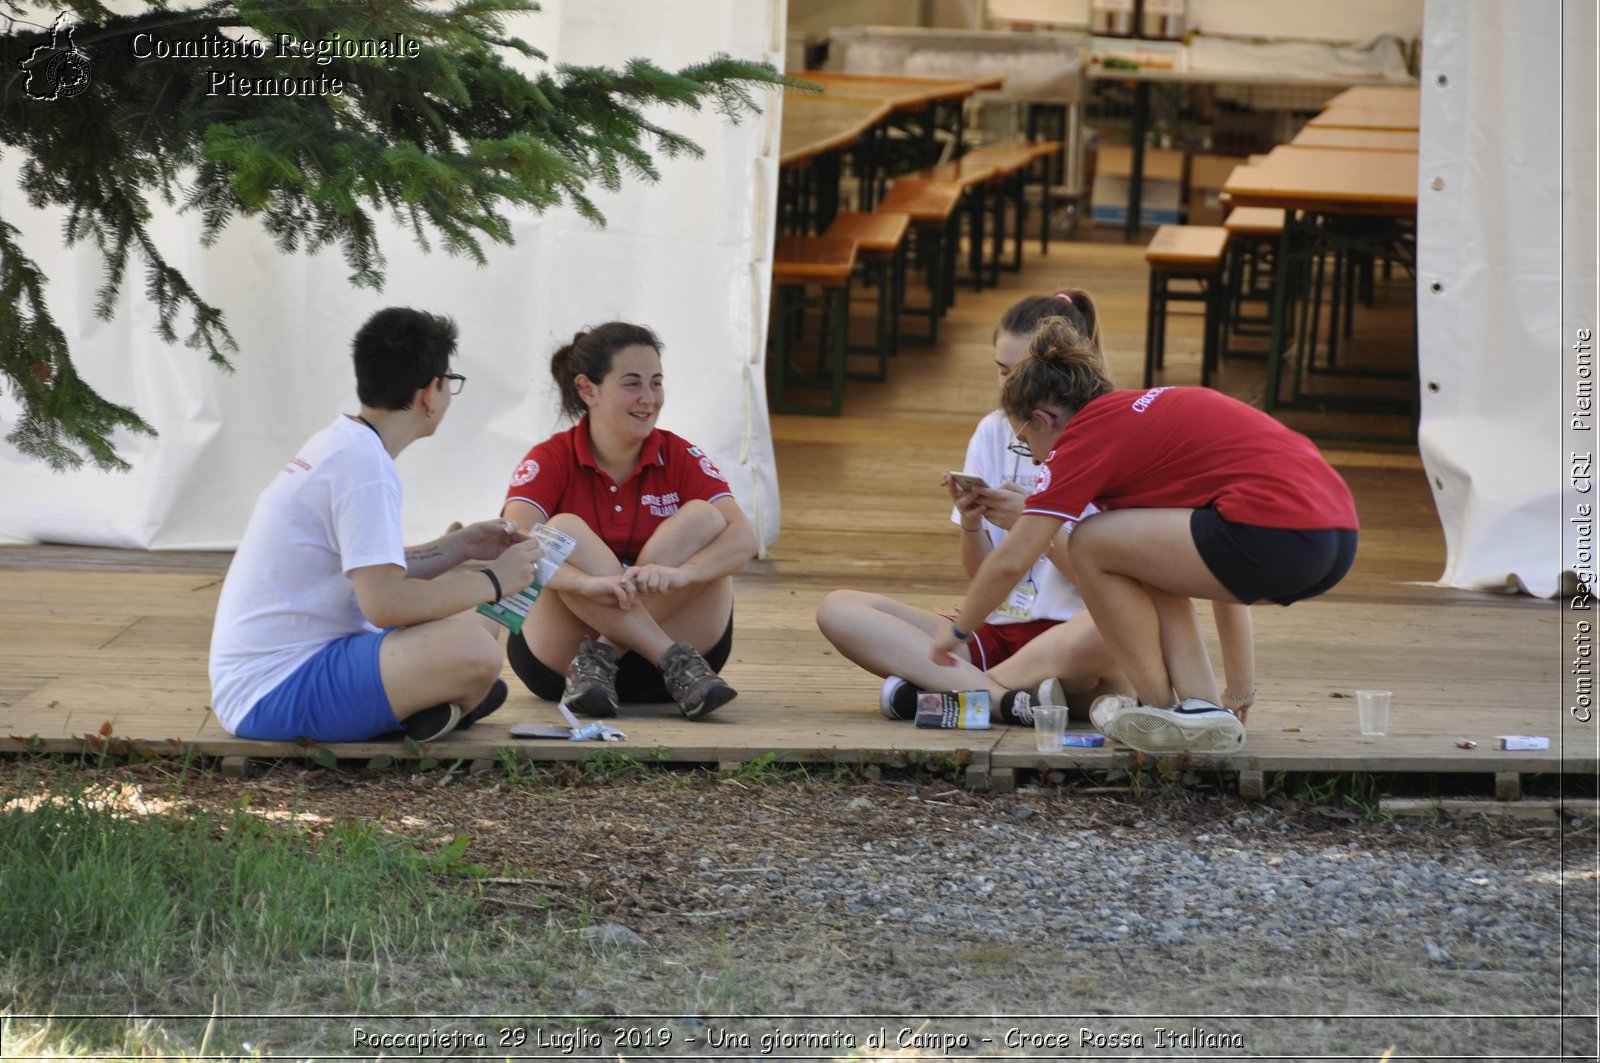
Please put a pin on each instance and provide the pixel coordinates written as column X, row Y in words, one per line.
column 1049, row 727
column 1372, row 706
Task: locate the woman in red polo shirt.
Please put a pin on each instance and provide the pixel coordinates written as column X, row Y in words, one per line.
column 643, row 609
column 1201, row 495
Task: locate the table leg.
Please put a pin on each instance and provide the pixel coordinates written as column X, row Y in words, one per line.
column 1280, row 296
column 1141, row 119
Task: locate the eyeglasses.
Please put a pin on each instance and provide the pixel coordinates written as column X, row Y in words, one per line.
column 1019, row 446
column 457, row 382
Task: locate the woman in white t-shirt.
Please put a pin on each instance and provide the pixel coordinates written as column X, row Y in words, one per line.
column 1040, row 642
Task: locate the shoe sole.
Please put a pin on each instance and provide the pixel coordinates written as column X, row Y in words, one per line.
column 593, row 704
column 1162, row 731
column 714, row 700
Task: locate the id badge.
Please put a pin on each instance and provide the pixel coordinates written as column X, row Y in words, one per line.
column 1019, row 604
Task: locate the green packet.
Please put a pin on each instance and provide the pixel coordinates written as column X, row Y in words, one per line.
column 512, row 610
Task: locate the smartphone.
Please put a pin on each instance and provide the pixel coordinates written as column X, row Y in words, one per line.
column 966, row 481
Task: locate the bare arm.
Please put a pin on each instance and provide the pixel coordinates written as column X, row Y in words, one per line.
column 1236, row 635
column 724, row 555
column 1001, row 570
column 390, row 597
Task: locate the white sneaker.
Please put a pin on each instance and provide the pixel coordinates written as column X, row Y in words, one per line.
column 1104, row 712
column 1050, row 692
column 1194, row 726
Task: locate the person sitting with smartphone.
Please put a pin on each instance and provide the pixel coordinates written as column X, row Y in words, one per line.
column 1040, row 645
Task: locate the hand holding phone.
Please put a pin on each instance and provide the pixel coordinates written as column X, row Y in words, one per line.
column 966, row 481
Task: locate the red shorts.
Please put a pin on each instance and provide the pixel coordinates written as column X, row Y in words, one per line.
column 989, row 644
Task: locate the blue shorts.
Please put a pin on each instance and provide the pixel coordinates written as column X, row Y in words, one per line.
column 336, row 696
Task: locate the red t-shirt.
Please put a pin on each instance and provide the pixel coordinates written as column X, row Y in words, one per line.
column 1185, row 448
column 560, row 476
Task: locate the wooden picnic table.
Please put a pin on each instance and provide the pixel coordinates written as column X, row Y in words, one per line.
column 1404, row 116
column 1325, row 194
column 1357, row 139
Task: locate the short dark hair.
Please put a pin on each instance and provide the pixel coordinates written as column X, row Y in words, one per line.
column 399, row 350
column 1063, row 369
column 1073, row 304
column 590, row 354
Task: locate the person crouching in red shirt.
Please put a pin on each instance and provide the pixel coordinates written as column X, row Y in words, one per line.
column 642, row 611
column 1202, row 496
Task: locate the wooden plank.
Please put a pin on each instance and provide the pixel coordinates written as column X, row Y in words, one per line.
column 94, row 636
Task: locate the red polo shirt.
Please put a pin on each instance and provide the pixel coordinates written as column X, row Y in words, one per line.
column 1184, row 448
column 560, row 476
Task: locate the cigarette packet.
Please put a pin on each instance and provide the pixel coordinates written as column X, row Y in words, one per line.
column 1083, row 740
column 1524, row 742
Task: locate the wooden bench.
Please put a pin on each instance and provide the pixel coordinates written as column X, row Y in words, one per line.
column 798, row 263
column 979, row 185
column 1185, row 252
column 1019, row 163
column 1253, row 235
column 880, row 239
column 933, row 207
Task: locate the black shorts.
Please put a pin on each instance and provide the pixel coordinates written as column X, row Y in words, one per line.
column 638, row 681
column 1282, row 565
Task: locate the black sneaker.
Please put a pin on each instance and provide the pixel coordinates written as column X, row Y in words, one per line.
column 898, row 699
column 592, row 681
column 491, row 701
column 1016, row 708
column 697, row 689
column 432, row 723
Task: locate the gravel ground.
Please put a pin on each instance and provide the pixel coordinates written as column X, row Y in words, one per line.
column 1057, row 923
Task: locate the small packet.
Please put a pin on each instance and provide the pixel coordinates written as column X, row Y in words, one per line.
column 512, row 610
column 956, row 709
column 1088, row 741
column 1524, row 742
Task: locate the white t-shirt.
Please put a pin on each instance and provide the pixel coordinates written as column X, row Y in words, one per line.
column 1044, row 594
column 335, row 507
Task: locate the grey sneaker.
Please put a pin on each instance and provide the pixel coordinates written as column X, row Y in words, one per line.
column 1194, row 726
column 697, row 689
column 591, row 680
column 1104, row 712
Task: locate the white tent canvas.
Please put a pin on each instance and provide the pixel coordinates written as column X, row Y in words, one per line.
column 1506, row 281
column 688, row 256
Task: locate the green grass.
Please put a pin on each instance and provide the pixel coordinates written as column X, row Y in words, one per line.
column 92, row 888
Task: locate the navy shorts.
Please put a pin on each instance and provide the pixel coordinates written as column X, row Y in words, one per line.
column 1283, row 565
column 638, row 681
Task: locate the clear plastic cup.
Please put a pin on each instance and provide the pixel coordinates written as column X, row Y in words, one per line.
column 1372, row 709
column 1049, row 727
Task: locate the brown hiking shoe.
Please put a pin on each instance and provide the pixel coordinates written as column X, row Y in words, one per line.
column 592, row 681
column 697, row 689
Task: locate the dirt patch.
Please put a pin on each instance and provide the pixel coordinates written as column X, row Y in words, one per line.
column 719, row 907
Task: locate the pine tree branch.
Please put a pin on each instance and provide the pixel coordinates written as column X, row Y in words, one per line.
column 448, row 142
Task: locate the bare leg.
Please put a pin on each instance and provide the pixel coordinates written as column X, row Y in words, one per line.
column 1074, row 653
column 452, row 660
column 558, row 621
column 1124, row 561
column 887, row 638
column 697, row 614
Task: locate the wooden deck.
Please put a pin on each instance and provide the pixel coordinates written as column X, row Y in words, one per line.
column 103, row 641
